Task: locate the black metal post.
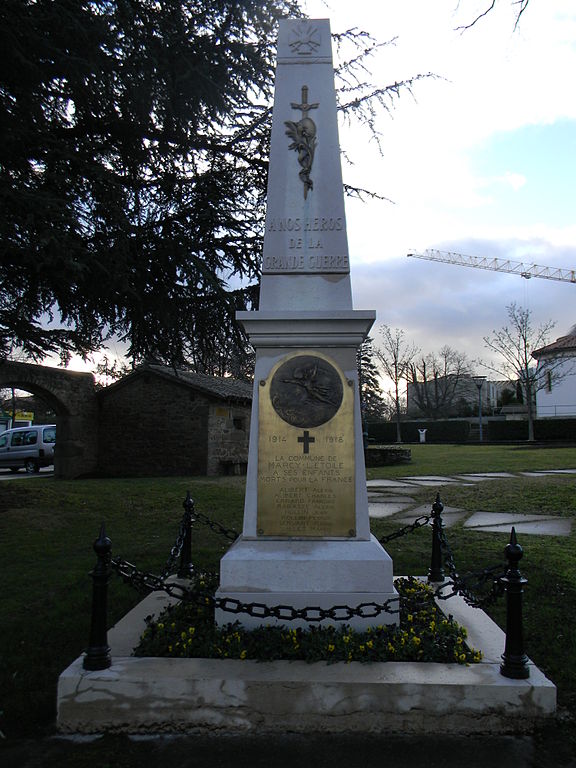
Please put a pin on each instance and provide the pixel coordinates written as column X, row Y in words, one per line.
column 436, row 572
column 98, row 651
column 514, row 660
column 185, row 570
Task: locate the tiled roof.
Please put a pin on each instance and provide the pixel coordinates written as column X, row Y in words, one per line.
column 563, row 344
column 223, row 387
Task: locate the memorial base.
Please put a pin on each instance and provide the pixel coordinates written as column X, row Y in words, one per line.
column 167, row 695
column 308, row 574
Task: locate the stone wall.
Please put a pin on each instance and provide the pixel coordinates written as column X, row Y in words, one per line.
column 154, row 426
column 72, row 397
column 229, row 428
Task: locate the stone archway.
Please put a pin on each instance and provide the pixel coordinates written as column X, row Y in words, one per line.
column 72, row 396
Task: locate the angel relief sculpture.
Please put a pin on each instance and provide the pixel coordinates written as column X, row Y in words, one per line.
column 303, row 135
column 306, row 391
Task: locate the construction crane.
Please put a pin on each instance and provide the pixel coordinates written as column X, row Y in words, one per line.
column 498, row 265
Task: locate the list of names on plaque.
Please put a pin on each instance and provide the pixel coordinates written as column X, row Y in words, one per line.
column 306, row 478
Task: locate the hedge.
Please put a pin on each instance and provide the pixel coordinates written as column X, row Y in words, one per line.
column 436, row 431
column 456, row 431
column 555, row 429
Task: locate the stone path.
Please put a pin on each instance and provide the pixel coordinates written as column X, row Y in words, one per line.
column 391, row 498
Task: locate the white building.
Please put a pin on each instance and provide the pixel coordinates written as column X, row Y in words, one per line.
column 558, row 398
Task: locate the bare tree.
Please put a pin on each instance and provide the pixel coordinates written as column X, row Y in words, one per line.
column 490, row 5
column 395, row 356
column 515, row 343
column 436, row 381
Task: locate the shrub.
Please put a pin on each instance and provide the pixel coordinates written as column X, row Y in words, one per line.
column 424, row 634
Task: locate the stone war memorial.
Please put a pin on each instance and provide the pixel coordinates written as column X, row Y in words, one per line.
column 306, row 539
column 306, row 545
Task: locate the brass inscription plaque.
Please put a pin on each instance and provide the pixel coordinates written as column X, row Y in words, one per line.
column 306, row 479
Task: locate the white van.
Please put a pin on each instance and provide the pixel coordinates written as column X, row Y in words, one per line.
column 28, row 447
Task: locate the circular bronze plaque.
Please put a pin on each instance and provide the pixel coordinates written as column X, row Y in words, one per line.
column 306, row 391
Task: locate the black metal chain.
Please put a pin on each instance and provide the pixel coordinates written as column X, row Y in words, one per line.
column 464, row 586
column 146, row 582
column 420, row 522
column 468, row 586
column 467, row 590
column 176, row 550
column 457, row 585
column 448, row 555
column 229, row 533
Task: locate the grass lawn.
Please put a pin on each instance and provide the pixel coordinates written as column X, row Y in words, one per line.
column 47, row 528
column 430, row 459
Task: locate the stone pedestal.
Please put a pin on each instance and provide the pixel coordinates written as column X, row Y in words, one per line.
column 306, row 538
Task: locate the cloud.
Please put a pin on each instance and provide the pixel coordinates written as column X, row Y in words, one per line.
column 464, row 172
column 514, row 180
column 437, row 304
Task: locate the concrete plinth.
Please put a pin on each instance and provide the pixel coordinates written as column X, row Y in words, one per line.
column 147, row 695
column 302, row 574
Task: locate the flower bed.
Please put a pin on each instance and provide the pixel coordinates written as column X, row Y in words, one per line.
column 424, row 634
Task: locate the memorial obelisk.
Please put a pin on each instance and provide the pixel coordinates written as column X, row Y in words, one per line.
column 306, row 538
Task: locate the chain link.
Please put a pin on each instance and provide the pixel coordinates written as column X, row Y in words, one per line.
column 464, row 586
column 146, row 582
column 420, row 522
column 448, row 555
column 467, row 586
column 229, row 533
column 176, row 550
column 468, row 591
column 189, row 517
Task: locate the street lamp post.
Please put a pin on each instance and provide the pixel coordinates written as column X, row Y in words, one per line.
column 479, row 381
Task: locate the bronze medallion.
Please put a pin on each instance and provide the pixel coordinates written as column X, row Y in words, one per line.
column 306, row 391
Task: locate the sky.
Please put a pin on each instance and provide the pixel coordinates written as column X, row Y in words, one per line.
column 479, row 161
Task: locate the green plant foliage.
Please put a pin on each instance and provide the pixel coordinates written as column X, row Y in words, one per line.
column 134, row 145
column 423, row 634
column 133, row 170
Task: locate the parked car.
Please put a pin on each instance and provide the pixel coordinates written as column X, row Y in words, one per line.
column 28, row 447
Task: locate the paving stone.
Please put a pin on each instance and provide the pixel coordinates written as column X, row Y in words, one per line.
column 386, row 500
column 548, row 472
column 436, row 478
column 560, row 471
column 405, row 491
column 387, row 509
column 384, row 483
column 531, row 524
column 503, row 518
column 429, row 483
column 560, row 527
column 479, row 478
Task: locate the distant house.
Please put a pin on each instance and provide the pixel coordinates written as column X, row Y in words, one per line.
column 454, row 395
column 558, row 398
column 164, row 421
